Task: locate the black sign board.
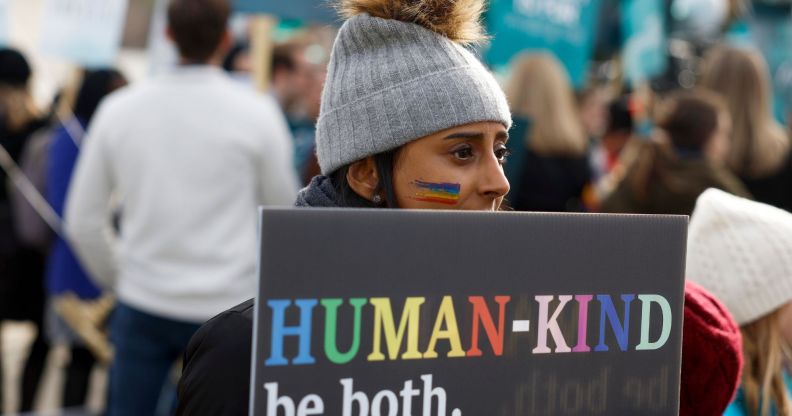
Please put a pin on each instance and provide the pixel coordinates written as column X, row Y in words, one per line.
column 395, row 312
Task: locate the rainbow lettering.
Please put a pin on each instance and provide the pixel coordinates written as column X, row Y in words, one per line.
column 440, row 193
column 400, row 339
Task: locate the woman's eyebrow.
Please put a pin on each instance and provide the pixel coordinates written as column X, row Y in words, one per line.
column 474, row 135
column 465, row 135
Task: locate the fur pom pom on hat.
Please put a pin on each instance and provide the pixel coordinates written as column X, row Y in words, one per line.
column 399, row 70
column 741, row 251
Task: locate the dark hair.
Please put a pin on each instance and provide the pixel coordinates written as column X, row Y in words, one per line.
column 691, row 119
column 14, row 68
column 198, row 26
column 239, row 49
column 95, row 86
column 283, row 57
column 384, row 162
column 619, row 117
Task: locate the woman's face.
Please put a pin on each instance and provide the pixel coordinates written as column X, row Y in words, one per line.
column 717, row 148
column 457, row 168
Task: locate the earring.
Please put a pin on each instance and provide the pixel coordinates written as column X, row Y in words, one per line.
column 376, row 199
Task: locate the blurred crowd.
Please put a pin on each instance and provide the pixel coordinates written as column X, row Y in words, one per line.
column 609, row 148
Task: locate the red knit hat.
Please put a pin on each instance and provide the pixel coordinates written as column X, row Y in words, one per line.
column 711, row 355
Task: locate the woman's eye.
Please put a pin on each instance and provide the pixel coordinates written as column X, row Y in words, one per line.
column 464, row 153
column 502, row 153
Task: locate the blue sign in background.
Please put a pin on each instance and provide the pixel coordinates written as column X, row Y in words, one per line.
column 565, row 28
column 319, row 11
column 644, row 34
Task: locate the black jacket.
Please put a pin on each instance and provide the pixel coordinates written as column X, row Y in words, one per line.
column 216, row 375
column 775, row 189
column 215, row 380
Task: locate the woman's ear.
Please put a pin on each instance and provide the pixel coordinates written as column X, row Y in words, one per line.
column 363, row 178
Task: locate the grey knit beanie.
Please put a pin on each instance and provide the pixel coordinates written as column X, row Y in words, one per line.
column 390, row 82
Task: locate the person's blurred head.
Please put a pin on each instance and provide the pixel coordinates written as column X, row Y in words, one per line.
column 759, row 145
column 409, row 117
column 200, row 29
column 619, row 128
column 14, row 68
column 697, row 123
column 593, row 104
column 95, row 86
column 291, row 73
column 16, row 104
column 740, row 250
column 540, row 90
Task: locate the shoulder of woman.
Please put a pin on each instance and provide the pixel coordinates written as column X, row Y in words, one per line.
column 230, row 331
column 216, row 374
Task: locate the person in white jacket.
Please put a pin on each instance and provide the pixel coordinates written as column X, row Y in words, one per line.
column 190, row 156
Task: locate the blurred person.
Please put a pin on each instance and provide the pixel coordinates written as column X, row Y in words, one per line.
column 593, row 108
column 65, row 275
column 740, row 251
column 618, row 132
column 297, row 85
column 304, row 129
column 667, row 177
column 290, row 75
column 191, row 155
column 237, row 60
column 22, row 294
column 388, row 138
column 760, row 147
column 549, row 168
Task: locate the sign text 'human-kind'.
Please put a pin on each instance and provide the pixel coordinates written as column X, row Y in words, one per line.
column 487, row 320
column 388, row 339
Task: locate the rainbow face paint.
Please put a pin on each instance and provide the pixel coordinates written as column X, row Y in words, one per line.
column 439, row 193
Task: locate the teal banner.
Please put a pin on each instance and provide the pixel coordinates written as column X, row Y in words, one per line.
column 565, row 28
column 318, row 11
column 645, row 40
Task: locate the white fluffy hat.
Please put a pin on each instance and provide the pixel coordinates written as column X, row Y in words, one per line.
column 741, row 251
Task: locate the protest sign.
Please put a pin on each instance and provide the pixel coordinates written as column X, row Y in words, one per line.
column 385, row 312
column 87, row 32
column 308, row 10
column 565, row 28
column 645, row 50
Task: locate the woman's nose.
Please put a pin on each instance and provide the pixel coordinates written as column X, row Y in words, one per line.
column 493, row 182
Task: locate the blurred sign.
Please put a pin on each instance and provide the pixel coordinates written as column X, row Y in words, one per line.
column 309, row 10
column 645, row 50
column 85, row 31
column 563, row 314
column 563, row 27
column 5, row 30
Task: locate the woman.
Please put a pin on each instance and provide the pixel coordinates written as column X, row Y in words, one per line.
column 740, row 251
column 667, row 177
column 550, row 167
column 21, row 266
column 409, row 119
column 760, row 148
column 65, row 276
